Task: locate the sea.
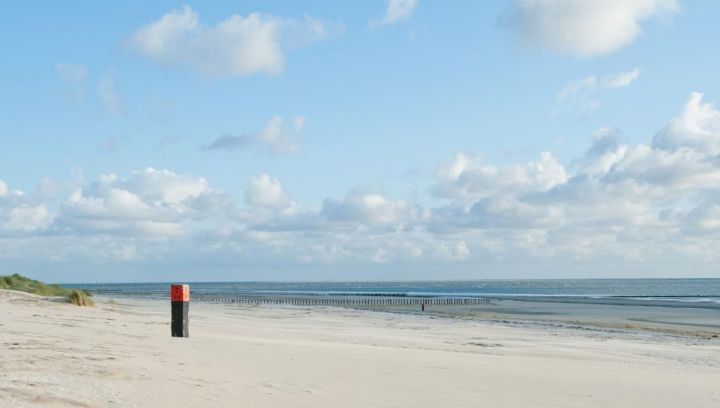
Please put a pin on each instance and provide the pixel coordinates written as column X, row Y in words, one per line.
column 705, row 291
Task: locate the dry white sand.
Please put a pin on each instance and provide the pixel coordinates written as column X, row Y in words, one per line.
column 121, row 354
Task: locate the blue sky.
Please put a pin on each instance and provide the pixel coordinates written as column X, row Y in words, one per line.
column 359, row 140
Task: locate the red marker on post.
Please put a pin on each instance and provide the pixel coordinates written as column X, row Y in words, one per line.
column 180, row 305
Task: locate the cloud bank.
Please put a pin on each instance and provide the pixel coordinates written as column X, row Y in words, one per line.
column 648, row 209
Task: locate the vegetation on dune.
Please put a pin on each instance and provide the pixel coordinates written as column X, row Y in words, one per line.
column 17, row 282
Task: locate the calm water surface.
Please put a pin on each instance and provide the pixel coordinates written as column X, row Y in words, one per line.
column 685, row 290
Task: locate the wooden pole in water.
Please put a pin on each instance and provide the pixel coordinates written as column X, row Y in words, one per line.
column 179, row 307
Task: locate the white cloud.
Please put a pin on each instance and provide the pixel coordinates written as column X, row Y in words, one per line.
column 117, row 212
column 619, row 80
column 583, row 92
column 456, row 252
column 124, row 253
column 152, row 203
column 468, row 177
column 21, row 213
column 370, row 209
column 238, row 45
column 265, row 191
column 275, row 138
column 584, row 27
column 27, row 218
column 166, row 186
column 396, row 10
column 697, row 127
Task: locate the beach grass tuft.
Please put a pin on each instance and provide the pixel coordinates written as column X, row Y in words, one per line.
column 80, row 298
column 21, row 283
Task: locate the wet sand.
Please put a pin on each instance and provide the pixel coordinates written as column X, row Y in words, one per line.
column 672, row 317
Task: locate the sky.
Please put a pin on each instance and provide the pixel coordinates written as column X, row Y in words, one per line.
column 373, row 140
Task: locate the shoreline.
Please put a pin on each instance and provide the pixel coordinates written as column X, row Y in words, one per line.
column 670, row 318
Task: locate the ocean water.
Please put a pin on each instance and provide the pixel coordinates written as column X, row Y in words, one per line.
column 680, row 290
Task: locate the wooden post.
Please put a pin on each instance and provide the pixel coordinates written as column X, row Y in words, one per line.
column 180, row 305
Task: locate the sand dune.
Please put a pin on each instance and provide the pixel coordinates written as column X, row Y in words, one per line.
column 121, row 354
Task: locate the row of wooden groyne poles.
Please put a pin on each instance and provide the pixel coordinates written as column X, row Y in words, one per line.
column 355, row 300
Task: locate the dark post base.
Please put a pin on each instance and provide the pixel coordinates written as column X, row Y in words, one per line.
column 179, row 322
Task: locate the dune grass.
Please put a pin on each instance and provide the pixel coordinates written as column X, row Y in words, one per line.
column 80, row 298
column 17, row 282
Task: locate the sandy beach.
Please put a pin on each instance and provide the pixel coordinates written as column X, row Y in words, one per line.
column 120, row 353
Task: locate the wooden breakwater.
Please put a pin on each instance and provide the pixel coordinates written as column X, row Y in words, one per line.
column 369, row 300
